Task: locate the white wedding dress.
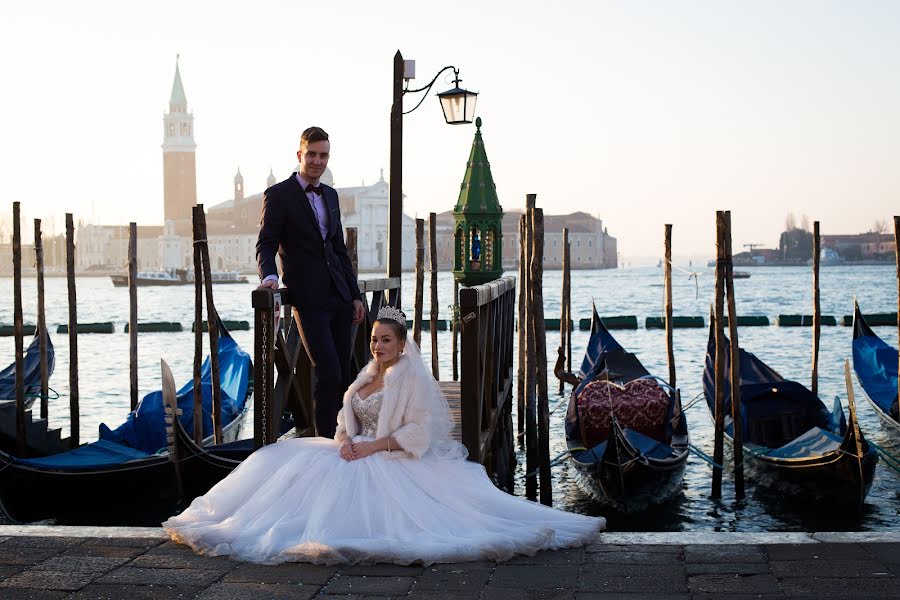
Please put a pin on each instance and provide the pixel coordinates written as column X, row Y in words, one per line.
column 298, row 500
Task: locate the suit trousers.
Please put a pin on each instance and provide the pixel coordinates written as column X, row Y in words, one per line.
column 325, row 333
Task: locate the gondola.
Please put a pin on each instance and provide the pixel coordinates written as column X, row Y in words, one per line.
column 627, row 470
column 875, row 364
column 794, row 446
column 32, row 373
column 125, row 477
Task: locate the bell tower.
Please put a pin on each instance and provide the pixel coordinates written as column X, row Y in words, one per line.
column 179, row 166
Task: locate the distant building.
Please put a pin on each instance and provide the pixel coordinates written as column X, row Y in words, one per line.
column 179, row 164
column 590, row 245
column 862, row 246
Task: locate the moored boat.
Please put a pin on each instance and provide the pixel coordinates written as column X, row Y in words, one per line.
column 793, row 445
column 875, row 364
column 32, row 372
column 176, row 277
column 625, row 459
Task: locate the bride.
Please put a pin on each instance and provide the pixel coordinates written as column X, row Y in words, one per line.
column 393, row 486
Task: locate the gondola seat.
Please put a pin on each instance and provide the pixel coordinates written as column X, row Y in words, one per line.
column 640, row 405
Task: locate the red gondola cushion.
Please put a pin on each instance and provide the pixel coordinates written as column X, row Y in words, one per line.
column 641, row 405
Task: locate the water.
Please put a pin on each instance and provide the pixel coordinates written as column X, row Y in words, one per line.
column 104, row 385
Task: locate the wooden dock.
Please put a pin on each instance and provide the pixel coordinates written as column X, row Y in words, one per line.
column 453, row 394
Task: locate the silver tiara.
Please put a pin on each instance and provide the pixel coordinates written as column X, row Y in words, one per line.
column 389, row 312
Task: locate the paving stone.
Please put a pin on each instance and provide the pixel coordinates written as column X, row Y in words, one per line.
column 189, row 561
column 519, row 594
column 417, row 594
column 642, row 585
column 283, row 573
column 724, row 553
column 568, row 556
column 815, row 551
column 466, row 566
column 10, row 570
column 258, row 591
column 629, row 596
column 535, row 576
column 137, row 542
column 79, row 564
column 168, row 577
column 47, row 580
column 126, row 552
column 743, row 597
column 633, row 558
column 740, row 584
column 888, row 553
column 829, row 568
column 458, row 580
column 659, row 548
column 101, row 591
column 42, row 542
column 386, row 586
column 382, row 570
column 596, row 573
column 25, row 556
column 30, row 594
column 726, row 568
column 849, row 587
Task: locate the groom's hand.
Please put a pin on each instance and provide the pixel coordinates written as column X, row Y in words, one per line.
column 268, row 284
column 358, row 312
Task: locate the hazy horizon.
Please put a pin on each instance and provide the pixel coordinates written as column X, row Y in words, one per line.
column 639, row 113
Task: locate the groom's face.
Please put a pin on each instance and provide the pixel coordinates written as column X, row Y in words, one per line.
column 313, row 157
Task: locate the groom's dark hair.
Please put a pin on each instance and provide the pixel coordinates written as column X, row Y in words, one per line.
column 313, row 134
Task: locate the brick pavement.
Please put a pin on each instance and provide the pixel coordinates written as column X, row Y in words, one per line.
column 152, row 568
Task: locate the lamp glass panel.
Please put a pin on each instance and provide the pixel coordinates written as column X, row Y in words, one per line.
column 470, row 106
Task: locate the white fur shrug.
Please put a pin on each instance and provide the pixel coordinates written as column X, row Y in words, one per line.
column 405, row 412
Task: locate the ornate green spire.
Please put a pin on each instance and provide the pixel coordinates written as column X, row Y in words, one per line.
column 478, row 194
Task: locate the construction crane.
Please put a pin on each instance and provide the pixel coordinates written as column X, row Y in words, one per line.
column 752, row 246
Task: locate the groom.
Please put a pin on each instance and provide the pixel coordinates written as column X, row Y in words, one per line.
column 301, row 221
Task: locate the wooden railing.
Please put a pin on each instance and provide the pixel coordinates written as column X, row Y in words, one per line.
column 487, row 319
column 278, row 349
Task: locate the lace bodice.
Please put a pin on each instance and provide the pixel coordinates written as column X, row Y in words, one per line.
column 366, row 412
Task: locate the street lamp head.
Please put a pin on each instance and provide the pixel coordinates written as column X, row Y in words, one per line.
column 458, row 105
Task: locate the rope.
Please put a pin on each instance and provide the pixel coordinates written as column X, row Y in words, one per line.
column 55, row 395
column 889, row 459
column 697, row 451
column 693, row 402
column 564, row 455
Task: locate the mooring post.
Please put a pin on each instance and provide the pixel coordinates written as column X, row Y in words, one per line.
column 563, row 314
column 522, row 328
column 132, row 314
column 41, row 317
column 352, row 249
column 213, row 320
column 19, row 332
column 73, row 333
column 817, row 317
column 736, row 417
column 264, row 333
column 719, row 441
column 540, row 347
column 433, row 312
column 670, row 342
column 897, row 258
column 420, row 282
column 570, row 324
column 198, row 329
column 531, row 436
column 454, row 320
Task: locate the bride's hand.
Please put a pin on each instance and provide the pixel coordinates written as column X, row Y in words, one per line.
column 364, row 449
column 347, row 452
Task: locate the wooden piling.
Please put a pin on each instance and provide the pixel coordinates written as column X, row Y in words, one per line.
column 19, row 332
column 132, row 313
column 564, row 316
column 213, row 320
column 420, row 282
column 718, row 441
column 736, row 418
column 897, row 258
column 41, row 317
column 73, row 333
column 540, row 347
column 531, row 439
column 432, row 254
column 523, row 326
column 570, row 322
column 670, row 342
column 352, row 249
column 817, row 310
column 198, row 330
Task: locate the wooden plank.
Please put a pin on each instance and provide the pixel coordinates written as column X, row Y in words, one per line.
column 452, row 392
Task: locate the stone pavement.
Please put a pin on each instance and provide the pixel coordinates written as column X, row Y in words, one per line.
column 138, row 564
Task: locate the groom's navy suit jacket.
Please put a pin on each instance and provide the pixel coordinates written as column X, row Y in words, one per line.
column 316, row 271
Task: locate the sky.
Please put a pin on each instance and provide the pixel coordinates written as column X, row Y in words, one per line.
column 639, row 112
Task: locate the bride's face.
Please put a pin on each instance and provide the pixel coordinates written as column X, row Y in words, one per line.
column 385, row 344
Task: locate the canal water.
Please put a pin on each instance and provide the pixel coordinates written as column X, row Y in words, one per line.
column 104, row 383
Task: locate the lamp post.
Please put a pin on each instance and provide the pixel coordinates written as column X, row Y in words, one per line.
column 458, row 105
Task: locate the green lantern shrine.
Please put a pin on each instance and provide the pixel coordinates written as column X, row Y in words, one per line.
column 477, row 220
